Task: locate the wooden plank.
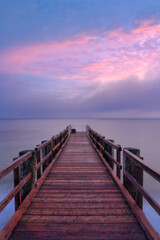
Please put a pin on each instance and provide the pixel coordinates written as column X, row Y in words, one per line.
column 78, row 219
column 80, row 227
column 79, row 187
column 79, row 236
column 95, row 205
column 78, row 195
column 75, row 177
column 78, row 200
column 71, row 181
column 80, row 212
column 79, row 191
column 87, row 174
column 75, row 171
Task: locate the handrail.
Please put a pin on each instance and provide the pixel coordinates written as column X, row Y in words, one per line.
column 43, row 145
column 108, row 155
column 115, row 146
column 43, row 160
column 106, row 147
column 25, row 167
column 109, row 142
column 47, row 150
column 133, row 169
column 9, row 197
column 14, row 165
column 138, row 161
column 145, row 194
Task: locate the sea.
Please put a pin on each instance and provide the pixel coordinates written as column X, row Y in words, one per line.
column 24, row 134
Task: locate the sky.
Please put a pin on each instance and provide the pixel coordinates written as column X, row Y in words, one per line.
column 79, row 59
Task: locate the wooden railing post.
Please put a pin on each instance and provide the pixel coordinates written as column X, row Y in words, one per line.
column 38, row 161
column 49, row 148
column 17, row 179
column 136, row 172
column 44, row 153
column 53, row 145
column 103, row 144
column 28, row 167
column 109, row 149
column 119, row 161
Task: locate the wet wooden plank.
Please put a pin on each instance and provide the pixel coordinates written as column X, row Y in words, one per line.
column 64, row 181
column 78, row 219
column 75, row 177
column 82, row 191
column 79, row 187
column 77, row 228
column 78, row 200
column 77, row 236
column 80, row 212
column 76, row 205
column 110, row 194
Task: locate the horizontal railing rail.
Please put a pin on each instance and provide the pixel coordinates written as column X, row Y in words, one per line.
column 29, row 167
column 133, row 169
column 107, row 148
column 138, row 161
column 48, row 149
column 15, row 166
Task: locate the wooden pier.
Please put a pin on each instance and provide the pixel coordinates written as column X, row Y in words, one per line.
column 77, row 194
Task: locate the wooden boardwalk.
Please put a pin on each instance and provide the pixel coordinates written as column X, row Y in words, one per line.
column 78, row 200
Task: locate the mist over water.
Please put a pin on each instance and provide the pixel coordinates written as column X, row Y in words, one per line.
column 144, row 134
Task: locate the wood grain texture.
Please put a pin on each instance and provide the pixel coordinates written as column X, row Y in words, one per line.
column 78, row 200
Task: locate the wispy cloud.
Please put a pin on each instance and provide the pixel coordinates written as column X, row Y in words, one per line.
column 117, row 55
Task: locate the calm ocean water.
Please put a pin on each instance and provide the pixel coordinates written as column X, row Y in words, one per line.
column 17, row 135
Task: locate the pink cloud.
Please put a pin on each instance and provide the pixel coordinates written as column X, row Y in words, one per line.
column 114, row 56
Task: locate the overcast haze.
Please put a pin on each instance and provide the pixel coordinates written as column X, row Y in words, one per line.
column 79, row 58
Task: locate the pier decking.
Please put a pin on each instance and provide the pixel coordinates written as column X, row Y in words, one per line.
column 70, row 187
column 78, row 200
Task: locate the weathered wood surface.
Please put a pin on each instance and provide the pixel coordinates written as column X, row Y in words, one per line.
column 78, row 200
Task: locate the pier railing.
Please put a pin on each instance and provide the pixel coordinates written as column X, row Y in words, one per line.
column 29, row 167
column 20, row 182
column 48, row 149
column 133, row 167
column 110, row 151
